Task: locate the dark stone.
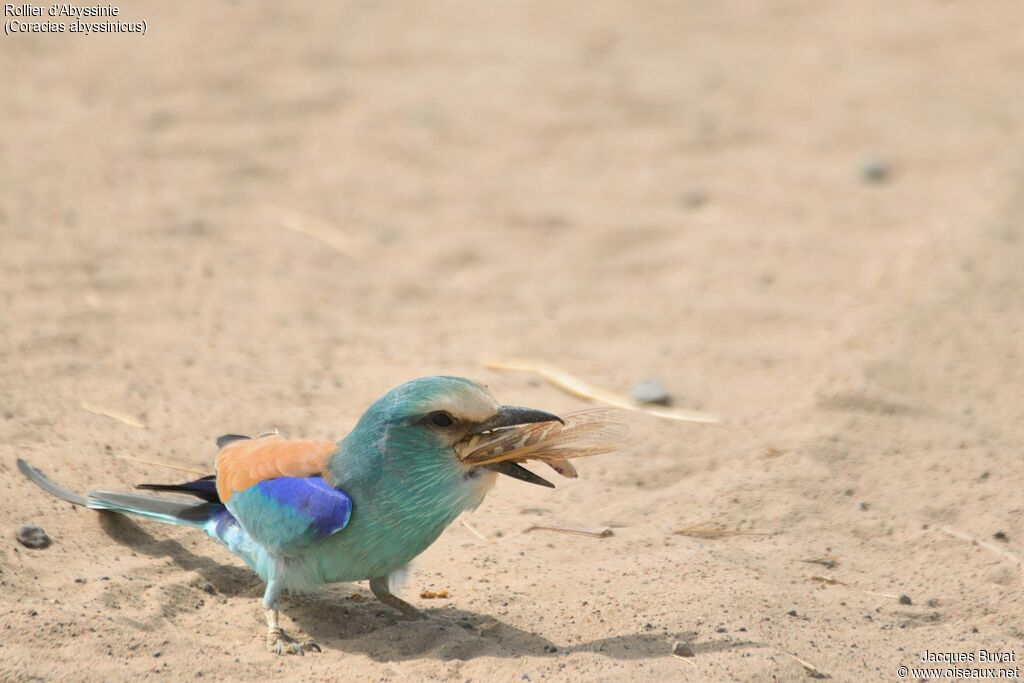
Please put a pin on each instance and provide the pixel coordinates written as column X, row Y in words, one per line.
column 32, row 536
column 874, row 171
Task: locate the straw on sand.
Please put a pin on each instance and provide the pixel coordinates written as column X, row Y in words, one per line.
column 592, row 533
column 473, row 530
column 814, row 671
column 577, row 387
column 829, row 581
column 114, row 414
column 320, row 231
column 700, row 530
column 1005, row 554
column 155, row 463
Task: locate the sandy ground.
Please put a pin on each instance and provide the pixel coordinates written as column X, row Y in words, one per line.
column 628, row 190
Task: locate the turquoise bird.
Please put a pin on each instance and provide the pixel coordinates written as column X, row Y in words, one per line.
column 305, row 513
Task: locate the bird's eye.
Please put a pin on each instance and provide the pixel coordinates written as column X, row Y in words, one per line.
column 441, row 419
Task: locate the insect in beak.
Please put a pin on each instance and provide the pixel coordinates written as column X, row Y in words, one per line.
column 514, row 435
column 503, row 421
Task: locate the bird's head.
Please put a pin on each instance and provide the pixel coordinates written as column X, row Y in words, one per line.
column 423, row 423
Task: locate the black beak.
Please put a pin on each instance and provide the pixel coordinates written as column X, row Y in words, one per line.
column 510, row 416
column 517, row 471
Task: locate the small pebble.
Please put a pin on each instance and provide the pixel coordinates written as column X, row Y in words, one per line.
column 693, row 199
column 550, row 648
column 651, row 392
column 905, row 600
column 32, row 536
column 1001, row 536
column 874, row 171
column 791, row 612
column 682, row 649
column 864, row 505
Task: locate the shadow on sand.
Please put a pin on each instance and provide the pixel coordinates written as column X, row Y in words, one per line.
column 362, row 625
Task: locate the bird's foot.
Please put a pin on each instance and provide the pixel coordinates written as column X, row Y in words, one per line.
column 280, row 643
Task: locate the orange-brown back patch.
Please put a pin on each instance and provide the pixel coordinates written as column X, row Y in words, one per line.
column 242, row 464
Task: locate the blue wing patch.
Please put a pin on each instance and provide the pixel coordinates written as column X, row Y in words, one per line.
column 290, row 514
column 326, row 508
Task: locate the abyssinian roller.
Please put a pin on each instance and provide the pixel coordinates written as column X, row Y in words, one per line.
column 305, row 513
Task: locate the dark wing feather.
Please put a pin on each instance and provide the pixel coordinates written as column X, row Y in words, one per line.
column 224, row 439
column 204, row 487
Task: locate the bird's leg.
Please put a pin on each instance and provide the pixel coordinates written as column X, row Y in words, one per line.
column 277, row 640
column 281, row 643
column 275, row 635
column 379, row 587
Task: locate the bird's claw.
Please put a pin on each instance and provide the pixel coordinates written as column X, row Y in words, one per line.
column 413, row 614
column 282, row 644
column 310, row 646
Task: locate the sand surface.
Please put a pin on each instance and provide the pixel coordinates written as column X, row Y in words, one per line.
column 264, row 215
